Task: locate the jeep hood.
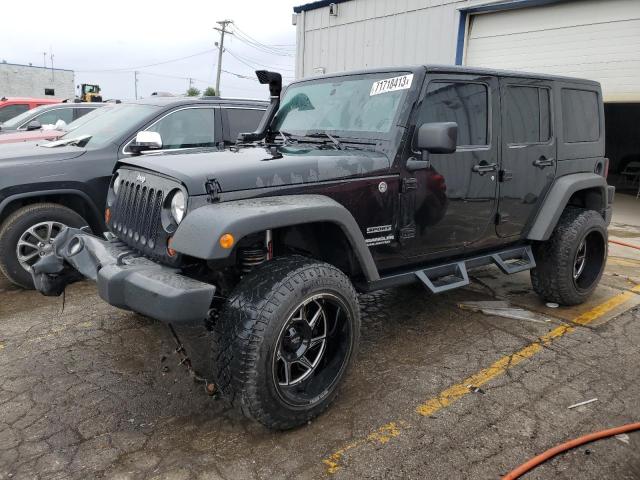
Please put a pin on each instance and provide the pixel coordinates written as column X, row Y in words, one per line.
column 259, row 167
column 28, row 152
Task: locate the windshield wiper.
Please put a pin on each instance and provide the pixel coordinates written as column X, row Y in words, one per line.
column 77, row 142
column 335, row 141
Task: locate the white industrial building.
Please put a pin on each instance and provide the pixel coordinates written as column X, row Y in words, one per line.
column 40, row 82
column 595, row 39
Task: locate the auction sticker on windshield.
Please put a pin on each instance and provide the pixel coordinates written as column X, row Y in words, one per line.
column 402, row 82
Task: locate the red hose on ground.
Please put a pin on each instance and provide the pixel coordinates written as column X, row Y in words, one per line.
column 625, row 244
column 552, row 452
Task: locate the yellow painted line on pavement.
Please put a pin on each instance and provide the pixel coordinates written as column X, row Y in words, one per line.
column 385, row 433
column 381, row 436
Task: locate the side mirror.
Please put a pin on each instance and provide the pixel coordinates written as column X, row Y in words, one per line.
column 145, row 140
column 440, row 137
column 33, row 125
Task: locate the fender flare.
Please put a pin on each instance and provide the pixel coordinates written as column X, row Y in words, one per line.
column 62, row 191
column 199, row 232
column 557, row 199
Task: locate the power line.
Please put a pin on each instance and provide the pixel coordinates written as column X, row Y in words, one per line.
column 258, row 44
column 248, row 61
column 129, row 69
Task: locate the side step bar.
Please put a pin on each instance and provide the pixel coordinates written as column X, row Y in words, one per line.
column 448, row 276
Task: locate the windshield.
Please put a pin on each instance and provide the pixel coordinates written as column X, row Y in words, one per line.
column 348, row 106
column 109, row 122
column 15, row 122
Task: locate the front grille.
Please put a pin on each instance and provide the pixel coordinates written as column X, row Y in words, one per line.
column 136, row 214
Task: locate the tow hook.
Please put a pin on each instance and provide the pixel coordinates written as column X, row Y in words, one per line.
column 209, row 387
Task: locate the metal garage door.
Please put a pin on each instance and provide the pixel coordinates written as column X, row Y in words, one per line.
column 596, row 39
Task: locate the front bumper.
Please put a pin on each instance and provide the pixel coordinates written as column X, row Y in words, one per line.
column 124, row 279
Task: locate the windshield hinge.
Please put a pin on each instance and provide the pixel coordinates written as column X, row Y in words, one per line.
column 409, row 183
column 213, row 190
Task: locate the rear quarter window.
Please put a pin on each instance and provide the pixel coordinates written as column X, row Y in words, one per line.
column 242, row 120
column 580, row 115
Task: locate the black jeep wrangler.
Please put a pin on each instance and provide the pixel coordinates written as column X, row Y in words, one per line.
column 352, row 182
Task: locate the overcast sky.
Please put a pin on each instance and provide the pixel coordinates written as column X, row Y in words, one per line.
column 105, row 44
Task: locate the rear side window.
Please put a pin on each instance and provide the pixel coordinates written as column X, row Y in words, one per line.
column 80, row 112
column 527, row 115
column 11, row 111
column 242, row 120
column 580, row 116
column 463, row 103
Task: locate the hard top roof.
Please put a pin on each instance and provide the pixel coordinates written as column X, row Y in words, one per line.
column 435, row 68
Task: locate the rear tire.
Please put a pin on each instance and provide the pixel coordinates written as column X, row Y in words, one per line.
column 570, row 264
column 16, row 227
column 272, row 360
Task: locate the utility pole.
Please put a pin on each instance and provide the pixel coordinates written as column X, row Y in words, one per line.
column 223, row 29
column 135, row 83
column 44, row 59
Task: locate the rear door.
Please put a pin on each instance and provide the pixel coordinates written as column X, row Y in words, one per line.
column 528, row 152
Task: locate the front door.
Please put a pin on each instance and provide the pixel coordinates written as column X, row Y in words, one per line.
column 453, row 201
column 528, row 153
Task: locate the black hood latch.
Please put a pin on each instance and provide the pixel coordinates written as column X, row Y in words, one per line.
column 213, row 190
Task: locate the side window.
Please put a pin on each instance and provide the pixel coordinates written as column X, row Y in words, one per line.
column 52, row 116
column 80, row 112
column 580, row 116
column 242, row 120
column 463, row 103
column 187, row 128
column 11, row 111
column 527, row 115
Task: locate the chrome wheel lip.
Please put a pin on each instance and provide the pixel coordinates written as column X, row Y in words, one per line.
column 580, row 259
column 309, row 364
column 36, row 242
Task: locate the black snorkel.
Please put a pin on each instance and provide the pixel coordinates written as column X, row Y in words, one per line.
column 274, row 80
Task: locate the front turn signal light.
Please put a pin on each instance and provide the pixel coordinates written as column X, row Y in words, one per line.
column 227, row 241
column 170, row 251
column 107, row 215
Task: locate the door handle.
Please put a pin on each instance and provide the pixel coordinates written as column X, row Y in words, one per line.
column 543, row 162
column 483, row 168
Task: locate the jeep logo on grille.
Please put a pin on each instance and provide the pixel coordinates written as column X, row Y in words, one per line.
column 141, row 178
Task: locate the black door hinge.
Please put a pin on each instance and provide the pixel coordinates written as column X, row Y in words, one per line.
column 213, row 190
column 505, row 175
column 410, row 183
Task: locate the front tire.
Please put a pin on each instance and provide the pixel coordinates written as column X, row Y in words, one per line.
column 285, row 339
column 570, row 264
column 27, row 234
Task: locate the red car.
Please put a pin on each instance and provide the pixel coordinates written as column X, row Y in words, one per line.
column 12, row 106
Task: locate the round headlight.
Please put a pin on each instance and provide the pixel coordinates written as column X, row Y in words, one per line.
column 116, row 184
column 178, row 206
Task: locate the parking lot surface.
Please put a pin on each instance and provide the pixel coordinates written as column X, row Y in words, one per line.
column 437, row 391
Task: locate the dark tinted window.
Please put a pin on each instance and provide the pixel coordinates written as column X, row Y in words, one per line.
column 187, row 128
column 242, row 120
column 527, row 118
column 580, row 116
column 463, row 103
column 11, row 111
column 80, row 112
column 52, row 116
